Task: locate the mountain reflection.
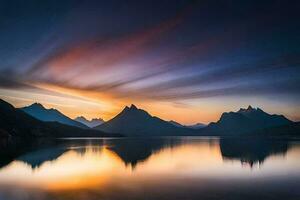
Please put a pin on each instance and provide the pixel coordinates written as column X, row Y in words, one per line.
column 129, row 168
column 251, row 150
column 38, row 151
column 134, row 151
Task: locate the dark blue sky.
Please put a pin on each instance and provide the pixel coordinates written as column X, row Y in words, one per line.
column 218, row 54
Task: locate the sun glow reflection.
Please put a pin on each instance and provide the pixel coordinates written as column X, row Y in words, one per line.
column 100, row 168
column 72, row 170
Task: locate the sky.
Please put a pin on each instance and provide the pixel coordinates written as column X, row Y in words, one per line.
column 188, row 61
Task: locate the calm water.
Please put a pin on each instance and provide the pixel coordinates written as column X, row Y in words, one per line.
column 161, row 168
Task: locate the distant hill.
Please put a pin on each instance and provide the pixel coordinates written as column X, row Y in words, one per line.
column 245, row 121
column 197, row 126
column 137, row 122
column 194, row 126
column 50, row 115
column 16, row 123
column 90, row 123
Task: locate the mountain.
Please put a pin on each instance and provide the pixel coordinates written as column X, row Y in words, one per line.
column 50, row 115
column 197, row 126
column 16, row 123
column 292, row 129
column 176, row 123
column 132, row 121
column 90, row 123
column 194, row 126
column 245, row 121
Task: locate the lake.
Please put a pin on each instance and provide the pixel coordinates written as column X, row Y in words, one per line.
column 150, row 168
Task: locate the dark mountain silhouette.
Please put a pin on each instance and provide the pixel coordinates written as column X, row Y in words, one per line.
column 176, row 123
column 50, row 115
column 292, row 129
column 245, row 121
column 16, row 123
column 90, row 123
column 137, row 122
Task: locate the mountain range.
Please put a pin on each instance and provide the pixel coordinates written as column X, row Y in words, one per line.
column 50, row 115
column 16, row 123
column 90, row 123
column 36, row 121
column 132, row 121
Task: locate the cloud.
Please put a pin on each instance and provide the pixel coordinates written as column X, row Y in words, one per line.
column 256, row 76
column 223, row 74
column 134, row 65
column 87, row 56
column 10, row 80
column 281, row 88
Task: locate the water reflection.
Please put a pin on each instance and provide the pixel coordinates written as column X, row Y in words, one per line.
column 251, row 151
column 167, row 168
column 11, row 150
column 133, row 151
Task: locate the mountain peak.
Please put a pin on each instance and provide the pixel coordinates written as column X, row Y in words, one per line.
column 90, row 123
column 37, row 105
column 38, row 111
column 247, row 120
column 249, row 108
column 132, row 121
column 133, row 107
column 80, row 118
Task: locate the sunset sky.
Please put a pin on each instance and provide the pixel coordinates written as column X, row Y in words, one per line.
column 183, row 60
